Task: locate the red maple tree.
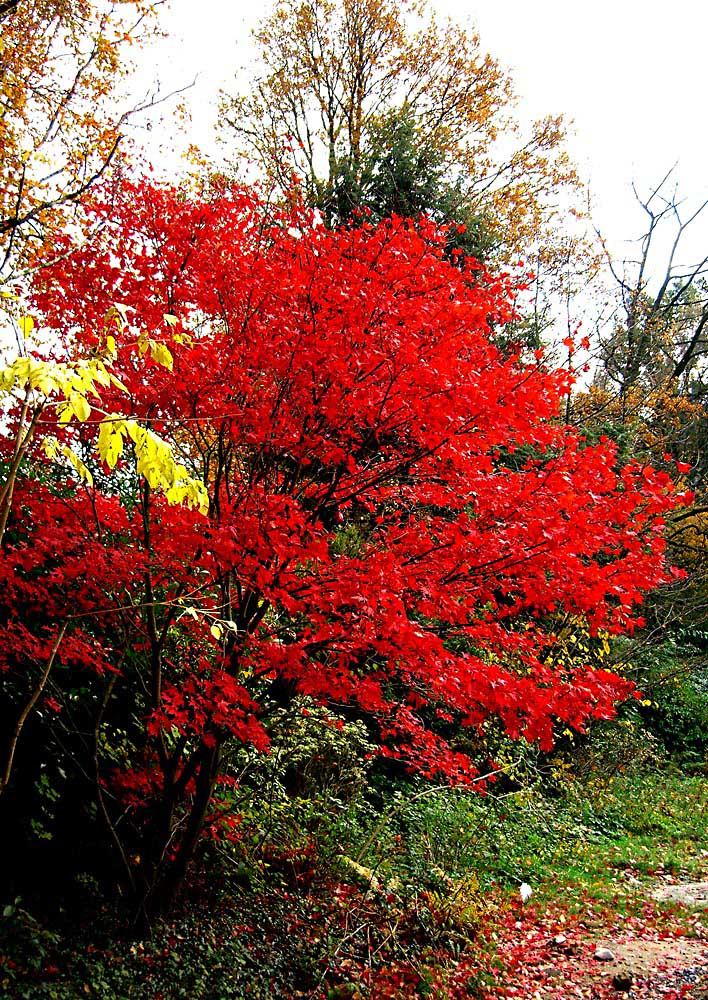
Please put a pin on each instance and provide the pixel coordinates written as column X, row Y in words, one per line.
column 396, row 511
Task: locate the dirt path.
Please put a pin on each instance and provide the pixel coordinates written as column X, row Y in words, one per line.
column 666, row 966
column 657, row 950
column 651, row 969
column 693, row 894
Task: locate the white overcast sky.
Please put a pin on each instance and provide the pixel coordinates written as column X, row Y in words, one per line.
column 631, row 74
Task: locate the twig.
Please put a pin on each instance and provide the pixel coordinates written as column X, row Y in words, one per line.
column 34, row 698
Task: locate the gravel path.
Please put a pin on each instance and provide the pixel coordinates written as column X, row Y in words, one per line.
column 665, row 968
column 655, row 950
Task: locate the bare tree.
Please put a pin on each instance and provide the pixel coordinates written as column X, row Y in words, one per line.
column 657, row 333
column 650, row 386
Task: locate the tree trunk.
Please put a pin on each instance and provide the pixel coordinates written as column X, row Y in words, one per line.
column 164, row 872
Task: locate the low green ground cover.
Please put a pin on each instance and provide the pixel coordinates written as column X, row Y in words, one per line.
column 375, row 896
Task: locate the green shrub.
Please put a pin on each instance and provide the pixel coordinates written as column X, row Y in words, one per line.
column 674, row 679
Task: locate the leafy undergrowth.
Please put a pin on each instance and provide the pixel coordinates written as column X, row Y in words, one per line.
column 431, row 908
column 340, row 942
column 624, row 833
column 599, row 839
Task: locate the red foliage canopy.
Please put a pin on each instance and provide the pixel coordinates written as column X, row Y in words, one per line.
column 396, row 511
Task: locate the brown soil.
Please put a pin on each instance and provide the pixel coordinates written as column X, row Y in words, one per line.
column 688, row 893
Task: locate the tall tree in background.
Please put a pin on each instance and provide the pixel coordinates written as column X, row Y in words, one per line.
column 404, row 174
column 650, row 388
column 346, row 85
column 657, row 332
column 60, row 127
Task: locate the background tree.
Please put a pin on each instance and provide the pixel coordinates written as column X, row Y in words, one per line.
column 402, row 173
column 347, row 87
column 649, row 385
column 649, row 393
column 655, row 336
column 60, row 122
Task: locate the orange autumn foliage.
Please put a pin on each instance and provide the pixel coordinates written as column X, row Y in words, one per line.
column 60, row 121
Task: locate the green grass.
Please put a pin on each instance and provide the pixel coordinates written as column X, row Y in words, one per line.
column 582, row 838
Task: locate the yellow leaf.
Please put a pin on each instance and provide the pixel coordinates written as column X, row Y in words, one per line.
column 54, row 449
column 65, row 412
column 26, row 324
column 83, row 472
column 216, row 631
column 80, row 406
column 110, row 440
column 118, row 314
column 118, row 384
column 161, row 354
